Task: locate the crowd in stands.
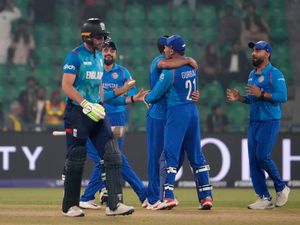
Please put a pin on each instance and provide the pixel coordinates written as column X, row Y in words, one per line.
column 39, row 106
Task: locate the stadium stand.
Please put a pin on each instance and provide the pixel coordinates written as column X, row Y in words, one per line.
column 136, row 29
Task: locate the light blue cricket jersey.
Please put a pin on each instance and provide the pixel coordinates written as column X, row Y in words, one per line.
column 115, row 78
column 271, row 80
column 88, row 70
column 177, row 85
column 157, row 110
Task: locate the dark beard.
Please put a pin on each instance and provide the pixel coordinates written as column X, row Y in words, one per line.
column 257, row 62
column 108, row 62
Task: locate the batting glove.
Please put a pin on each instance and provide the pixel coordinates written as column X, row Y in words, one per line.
column 93, row 110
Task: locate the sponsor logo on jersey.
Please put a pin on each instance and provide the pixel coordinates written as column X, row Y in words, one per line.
column 261, row 79
column 69, row 67
column 115, row 75
column 93, row 75
column 109, row 86
column 88, row 63
column 161, row 77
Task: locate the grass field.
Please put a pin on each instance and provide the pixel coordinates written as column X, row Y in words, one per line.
column 37, row 206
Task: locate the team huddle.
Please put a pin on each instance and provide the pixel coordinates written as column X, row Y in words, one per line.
column 98, row 91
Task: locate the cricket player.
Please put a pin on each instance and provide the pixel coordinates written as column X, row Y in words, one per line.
column 85, row 118
column 266, row 91
column 156, row 123
column 115, row 76
column 181, row 130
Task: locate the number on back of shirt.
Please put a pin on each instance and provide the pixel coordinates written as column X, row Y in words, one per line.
column 189, row 86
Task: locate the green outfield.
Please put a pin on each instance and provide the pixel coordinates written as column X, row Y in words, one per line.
column 39, row 206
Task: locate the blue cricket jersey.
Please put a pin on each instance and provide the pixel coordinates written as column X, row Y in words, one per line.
column 115, row 78
column 88, row 71
column 177, row 85
column 157, row 110
column 271, row 80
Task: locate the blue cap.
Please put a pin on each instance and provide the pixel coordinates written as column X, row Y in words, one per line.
column 175, row 42
column 263, row 45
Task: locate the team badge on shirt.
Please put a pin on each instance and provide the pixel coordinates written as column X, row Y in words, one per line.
column 115, row 75
column 261, row 79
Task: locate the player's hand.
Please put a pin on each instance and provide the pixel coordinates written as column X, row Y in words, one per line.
column 128, row 85
column 253, row 90
column 93, row 110
column 233, row 95
column 140, row 96
column 193, row 63
column 195, row 96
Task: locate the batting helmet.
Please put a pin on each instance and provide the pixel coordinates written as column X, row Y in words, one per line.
column 91, row 28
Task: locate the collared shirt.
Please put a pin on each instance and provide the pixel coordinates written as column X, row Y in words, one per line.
column 88, row 69
column 271, row 80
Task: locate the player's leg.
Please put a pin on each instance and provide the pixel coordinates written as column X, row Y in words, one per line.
column 108, row 148
column 95, row 184
column 197, row 160
column 173, row 139
column 268, row 133
column 155, row 142
column 256, row 171
column 128, row 174
column 77, row 127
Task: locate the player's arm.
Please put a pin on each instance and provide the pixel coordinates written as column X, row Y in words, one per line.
column 177, row 62
column 119, row 91
column 280, row 91
column 68, row 88
column 125, row 100
column 161, row 87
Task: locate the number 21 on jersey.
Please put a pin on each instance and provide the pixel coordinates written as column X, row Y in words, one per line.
column 189, row 85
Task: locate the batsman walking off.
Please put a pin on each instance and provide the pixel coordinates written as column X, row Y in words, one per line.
column 85, row 118
column 266, row 91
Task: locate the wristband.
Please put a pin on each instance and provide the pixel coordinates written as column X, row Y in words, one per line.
column 262, row 95
column 131, row 98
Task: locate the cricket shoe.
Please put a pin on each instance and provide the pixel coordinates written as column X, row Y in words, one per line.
column 168, row 203
column 282, row 197
column 262, row 203
column 89, row 205
column 145, row 204
column 74, row 211
column 206, row 203
column 120, row 210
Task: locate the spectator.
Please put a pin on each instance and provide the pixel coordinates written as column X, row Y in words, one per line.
column 28, row 101
column 210, row 64
column 254, row 28
column 54, row 111
column 14, row 120
column 235, row 65
column 40, row 106
column 43, row 11
column 229, row 27
column 8, row 13
column 22, row 47
column 217, row 121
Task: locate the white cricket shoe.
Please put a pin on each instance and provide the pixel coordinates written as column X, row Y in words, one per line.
column 282, row 197
column 206, row 203
column 145, row 204
column 262, row 203
column 121, row 210
column 168, row 203
column 74, row 211
column 89, row 205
